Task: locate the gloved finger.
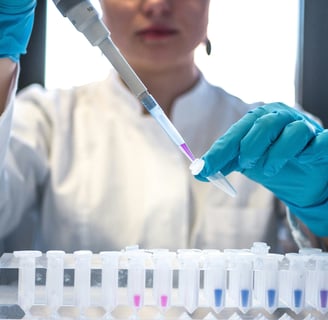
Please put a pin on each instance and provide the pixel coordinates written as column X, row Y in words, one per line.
column 224, row 150
column 277, row 106
column 262, row 136
column 292, row 140
column 317, row 150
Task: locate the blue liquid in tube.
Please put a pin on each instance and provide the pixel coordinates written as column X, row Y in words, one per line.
column 218, row 294
column 244, row 298
column 271, row 297
column 298, row 298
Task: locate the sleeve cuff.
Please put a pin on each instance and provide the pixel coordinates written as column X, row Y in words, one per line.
column 315, row 218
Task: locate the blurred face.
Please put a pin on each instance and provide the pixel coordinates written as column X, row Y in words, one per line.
column 156, row 33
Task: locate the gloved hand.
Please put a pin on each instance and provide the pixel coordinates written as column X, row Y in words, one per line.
column 16, row 22
column 285, row 151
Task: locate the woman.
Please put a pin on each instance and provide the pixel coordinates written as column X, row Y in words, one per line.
column 94, row 171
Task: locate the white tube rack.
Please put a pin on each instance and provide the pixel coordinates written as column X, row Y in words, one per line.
column 186, row 281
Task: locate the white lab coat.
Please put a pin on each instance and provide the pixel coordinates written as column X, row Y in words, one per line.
column 89, row 170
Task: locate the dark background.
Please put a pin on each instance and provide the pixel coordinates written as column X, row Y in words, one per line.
column 312, row 80
column 312, row 70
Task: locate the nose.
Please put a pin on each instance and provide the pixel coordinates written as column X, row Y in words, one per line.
column 157, row 7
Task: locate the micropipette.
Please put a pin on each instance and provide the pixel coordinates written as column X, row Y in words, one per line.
column 86, row 20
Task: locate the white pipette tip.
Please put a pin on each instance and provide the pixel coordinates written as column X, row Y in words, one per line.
column 218, row 179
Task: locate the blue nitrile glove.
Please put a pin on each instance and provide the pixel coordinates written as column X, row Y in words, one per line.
column 285, row 151
column 16, row 22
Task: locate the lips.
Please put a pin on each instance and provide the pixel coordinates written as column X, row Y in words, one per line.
column 157, row 32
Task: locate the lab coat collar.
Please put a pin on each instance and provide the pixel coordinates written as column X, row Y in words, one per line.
column 195, row 95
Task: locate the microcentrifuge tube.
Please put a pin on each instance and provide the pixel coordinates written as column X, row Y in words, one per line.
column 82, row 278
column 54, row 280
column 322, row 283
column 215, row 277
column 109, row 279
column 241, row 279
column 317, row 282
column 163, row 274
column 266, row 281
column 218, row 179
column 136, row 278
column 266, row 276
column 189, row 278
column 296, row 282
column 313, row 278
column 26, row 278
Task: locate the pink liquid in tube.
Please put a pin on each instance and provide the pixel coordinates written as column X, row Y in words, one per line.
column 164, row 301
column 137, row 300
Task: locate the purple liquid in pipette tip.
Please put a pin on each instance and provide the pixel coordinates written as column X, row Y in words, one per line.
column 185, row 149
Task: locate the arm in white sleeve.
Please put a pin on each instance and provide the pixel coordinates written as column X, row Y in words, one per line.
column 6, row 118
column 23, row 163
column 5, row 129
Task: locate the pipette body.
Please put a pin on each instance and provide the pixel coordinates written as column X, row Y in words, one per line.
column 86, row 20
